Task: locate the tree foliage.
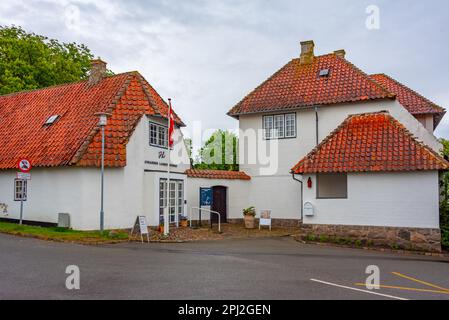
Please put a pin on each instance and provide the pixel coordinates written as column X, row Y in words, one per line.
column 219, row 152
column 29, row 61
column 444, row 208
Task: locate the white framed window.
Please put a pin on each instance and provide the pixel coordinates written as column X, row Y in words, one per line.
column 281, row 126
column 332, row 186
column 268, row 126
column 290, row 125
column 158, row 135
column 20, row 190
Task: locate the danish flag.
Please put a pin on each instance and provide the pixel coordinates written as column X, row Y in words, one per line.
column 171, row 125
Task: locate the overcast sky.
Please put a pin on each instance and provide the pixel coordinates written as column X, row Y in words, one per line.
column 207, row 55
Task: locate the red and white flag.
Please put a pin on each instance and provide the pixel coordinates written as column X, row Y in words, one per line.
column 171, row 125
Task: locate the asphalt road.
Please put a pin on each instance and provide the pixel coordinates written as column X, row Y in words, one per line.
column 236, row 269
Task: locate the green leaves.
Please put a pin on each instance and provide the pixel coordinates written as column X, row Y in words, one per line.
column 219, row 152
column 29, row 61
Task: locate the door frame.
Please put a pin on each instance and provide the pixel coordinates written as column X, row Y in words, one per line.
column 226, row 200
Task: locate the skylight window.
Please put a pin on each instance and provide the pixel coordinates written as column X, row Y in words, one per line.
column 51, row 120
column 324, row 73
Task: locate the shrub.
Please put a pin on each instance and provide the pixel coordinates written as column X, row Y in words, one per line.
column 445, row 237
column 324, row 239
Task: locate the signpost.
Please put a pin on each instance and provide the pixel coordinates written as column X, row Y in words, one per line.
column 141, row 226
column 205, row 200
column 24, row 175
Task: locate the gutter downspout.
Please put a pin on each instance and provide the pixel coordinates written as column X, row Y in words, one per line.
column 302, row 195
column 317, row 126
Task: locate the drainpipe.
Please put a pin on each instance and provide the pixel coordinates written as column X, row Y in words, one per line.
column 317, row 126
column 302, row 195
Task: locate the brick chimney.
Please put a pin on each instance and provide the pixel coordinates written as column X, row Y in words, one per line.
column 340, row 53
column 307, row 52
column 97, row 71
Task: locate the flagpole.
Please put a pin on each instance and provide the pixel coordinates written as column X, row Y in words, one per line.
column 167, row 218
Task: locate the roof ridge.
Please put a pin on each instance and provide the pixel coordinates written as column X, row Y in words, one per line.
column 12, row 94
column 389, row 94
column 393, row 122
column 78, row 154
column 408, row 88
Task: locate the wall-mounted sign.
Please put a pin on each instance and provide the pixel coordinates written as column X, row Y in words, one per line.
column 205, row 197
column 24, row 165
column 23, row 176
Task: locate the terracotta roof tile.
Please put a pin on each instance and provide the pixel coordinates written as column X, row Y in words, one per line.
column 217, row 174
column 370, row 143
column 415, row 103
column 74, row 139
column 299, row 85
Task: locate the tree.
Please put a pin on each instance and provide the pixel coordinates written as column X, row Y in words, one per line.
column 29, row 61
column 444, row 207
column 220, row 152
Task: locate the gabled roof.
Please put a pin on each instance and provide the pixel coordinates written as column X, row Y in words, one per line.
column 299, row 85
column 74, row 138
column 373, row 142
column 218, row 174
column 415, row 103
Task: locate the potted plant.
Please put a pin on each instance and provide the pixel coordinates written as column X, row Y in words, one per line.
column 249, row 217
column 184, row 222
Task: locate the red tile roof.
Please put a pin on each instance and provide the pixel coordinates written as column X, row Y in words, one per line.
column 74, row 139
column 299, row 85
column 370, row 143
column 217, row 174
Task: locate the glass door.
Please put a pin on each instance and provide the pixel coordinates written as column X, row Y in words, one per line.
column 176, row 199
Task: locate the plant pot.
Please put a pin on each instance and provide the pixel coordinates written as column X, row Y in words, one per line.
column 184, row 223
column 250, row 222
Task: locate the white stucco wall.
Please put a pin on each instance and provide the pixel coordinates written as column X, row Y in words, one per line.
column 129, row 191
column 409, row 199
column 278, row 191
column 237, row 196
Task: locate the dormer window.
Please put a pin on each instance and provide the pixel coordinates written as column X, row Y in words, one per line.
column 51, row 120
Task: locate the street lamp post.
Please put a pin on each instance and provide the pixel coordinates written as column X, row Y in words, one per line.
column 103, row 123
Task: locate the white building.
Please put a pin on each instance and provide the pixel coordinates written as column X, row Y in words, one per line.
column 392, row 200
column 66, row 152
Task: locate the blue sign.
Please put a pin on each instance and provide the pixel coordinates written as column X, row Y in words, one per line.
column 205, row 197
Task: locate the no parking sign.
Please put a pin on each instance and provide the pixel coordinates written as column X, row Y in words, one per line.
column 24, row 165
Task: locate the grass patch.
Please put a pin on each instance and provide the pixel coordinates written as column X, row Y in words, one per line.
column 62, row 234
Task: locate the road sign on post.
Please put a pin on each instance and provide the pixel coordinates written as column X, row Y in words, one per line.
column 24, row 165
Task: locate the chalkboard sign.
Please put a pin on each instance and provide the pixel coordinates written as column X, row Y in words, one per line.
column 141, row 226
column 205, row 197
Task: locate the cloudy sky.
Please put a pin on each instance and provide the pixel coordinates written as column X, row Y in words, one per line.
column 208, row 54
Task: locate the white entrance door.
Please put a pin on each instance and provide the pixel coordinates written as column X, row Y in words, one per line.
column 176, row 199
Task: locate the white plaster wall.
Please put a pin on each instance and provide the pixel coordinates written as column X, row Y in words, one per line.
column 238, row 196
column 409, row 199
column 129, row 191
column 278, row 191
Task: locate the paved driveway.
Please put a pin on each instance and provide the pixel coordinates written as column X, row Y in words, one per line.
column 233, row 269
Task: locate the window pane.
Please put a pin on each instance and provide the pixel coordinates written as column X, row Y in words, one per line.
column 268, row 126
column 279, row 126
column 332, row 186
column 290, row 125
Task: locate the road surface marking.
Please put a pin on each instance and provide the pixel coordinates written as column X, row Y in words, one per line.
column 405, row 288
column 359, row 290
column 421, row 282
